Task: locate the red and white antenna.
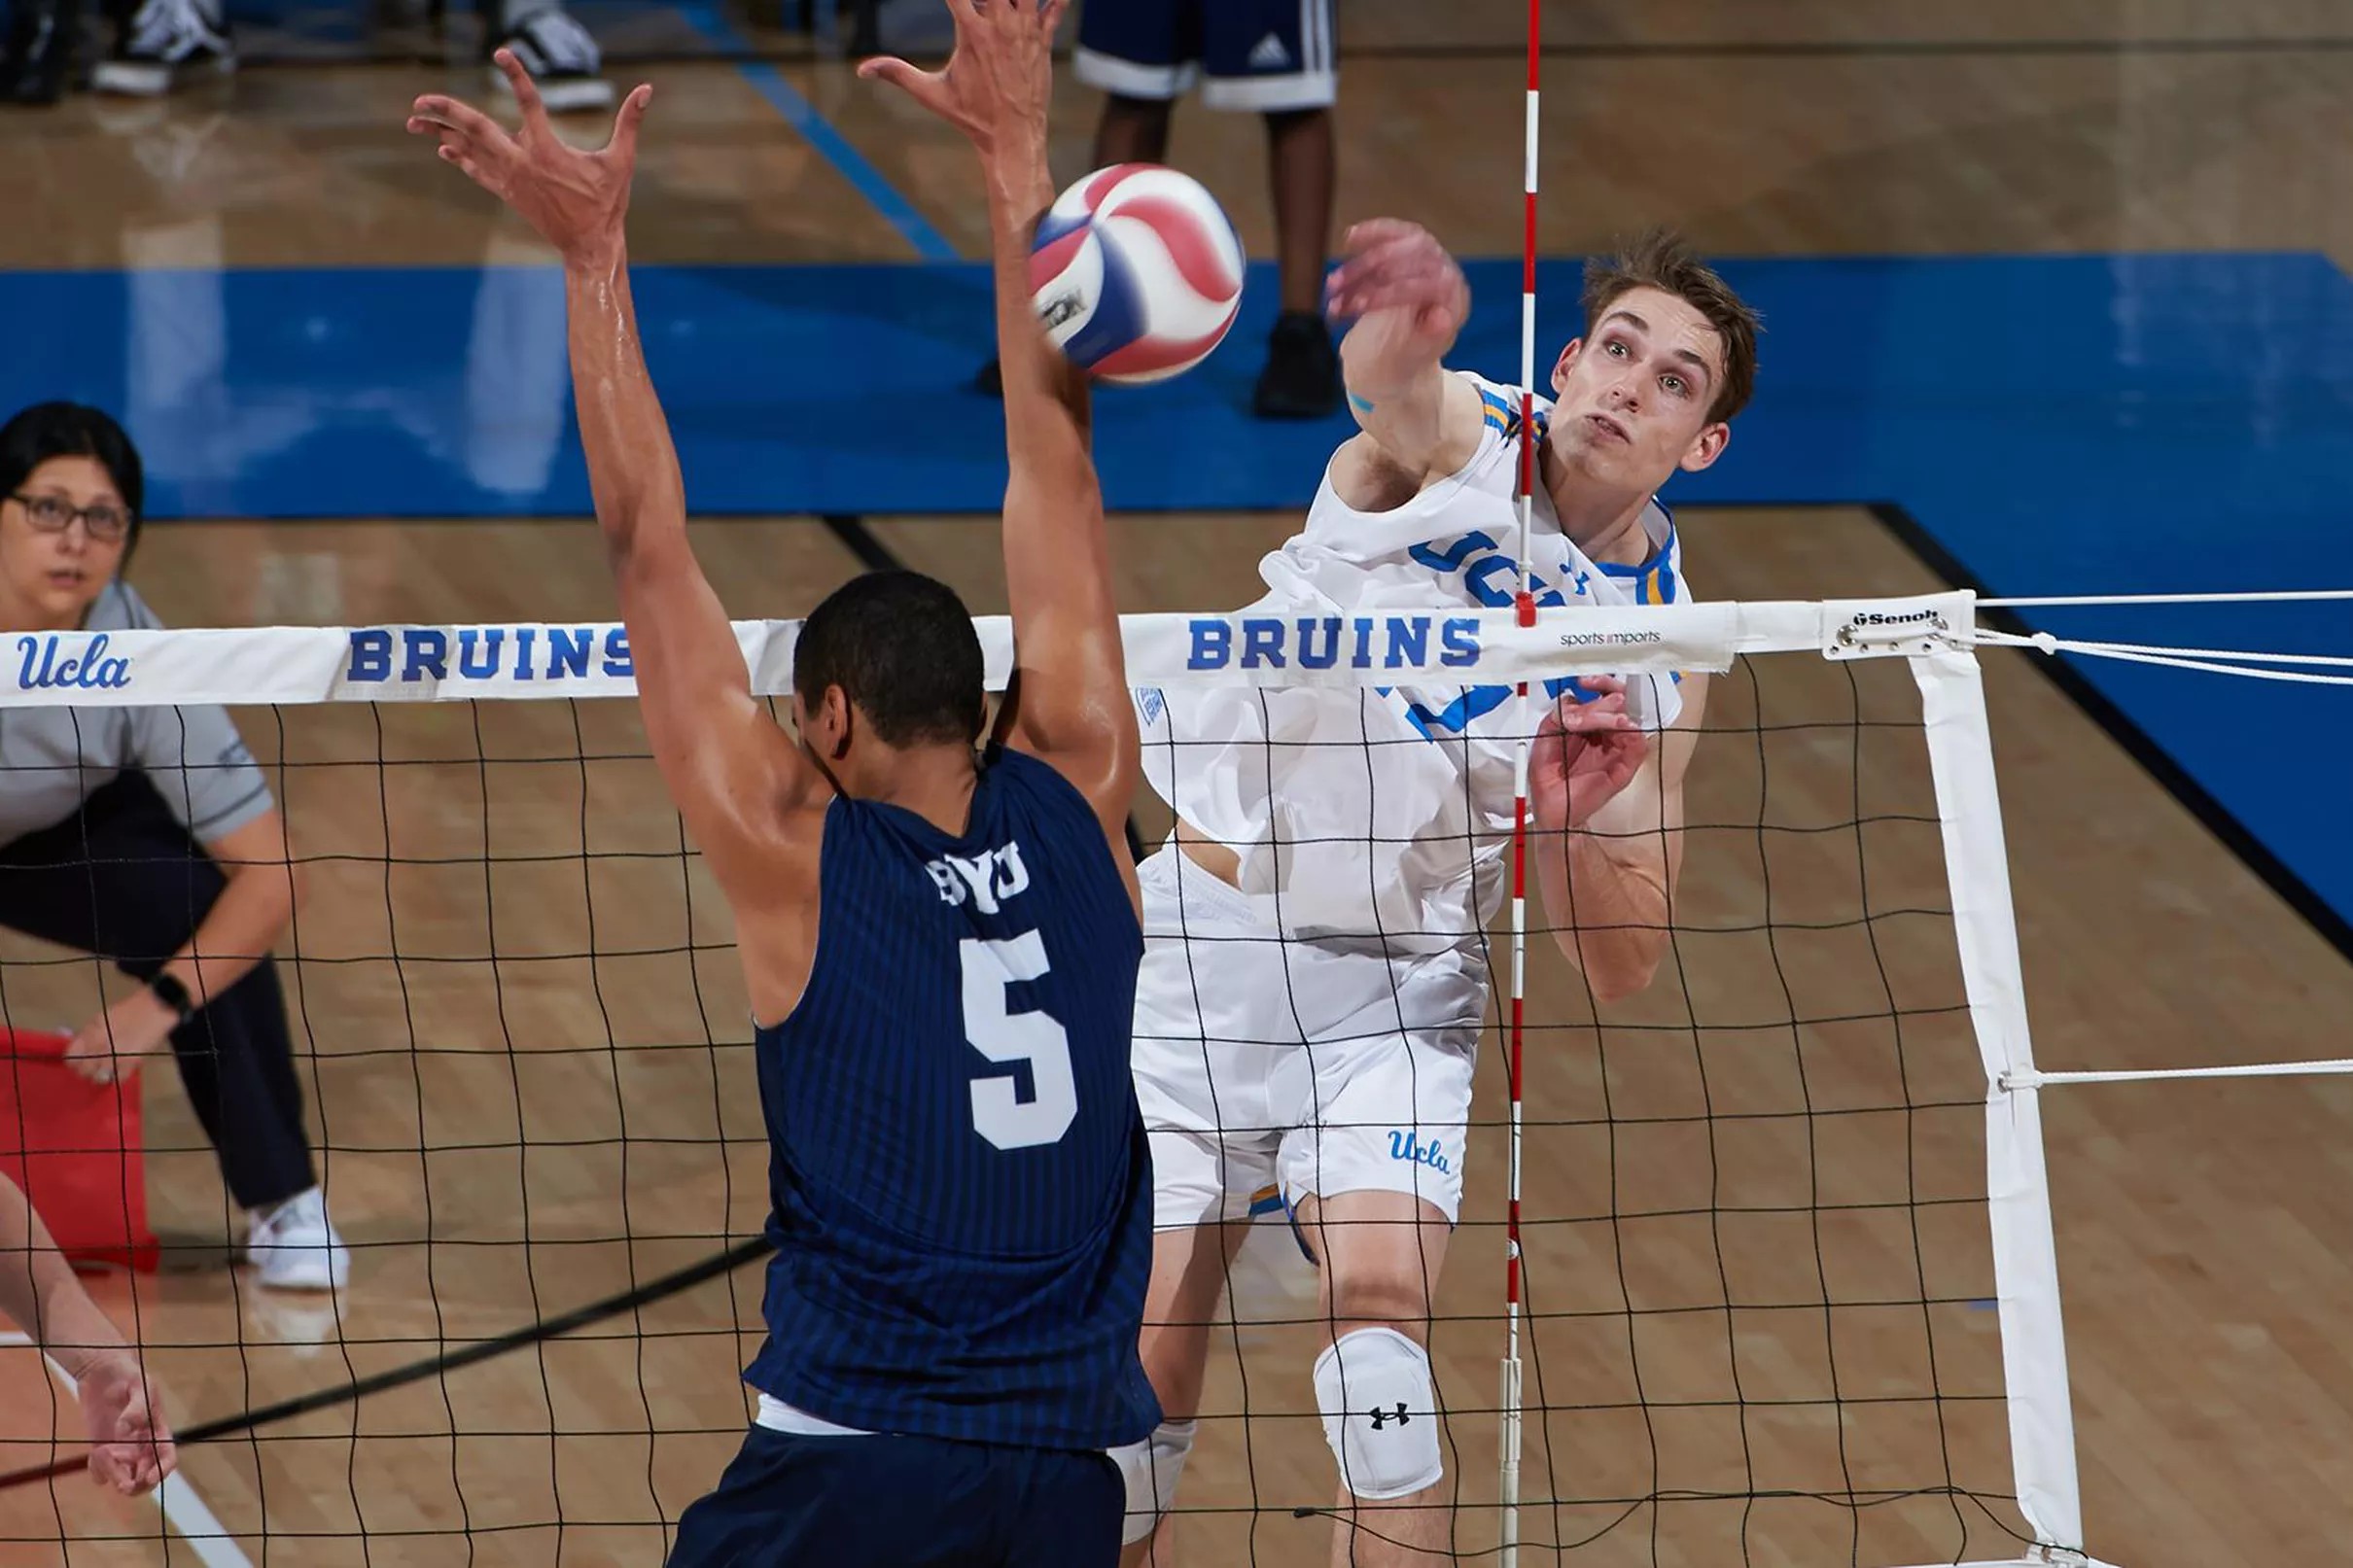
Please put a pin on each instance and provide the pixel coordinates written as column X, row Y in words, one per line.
column 1509, row 1447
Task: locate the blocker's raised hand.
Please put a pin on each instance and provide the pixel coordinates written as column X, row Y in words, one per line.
column 576, row 200
column 1000, row 76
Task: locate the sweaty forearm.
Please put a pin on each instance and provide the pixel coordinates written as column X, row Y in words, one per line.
column 633, row 469
column 1608, row 915
column 1046, row 410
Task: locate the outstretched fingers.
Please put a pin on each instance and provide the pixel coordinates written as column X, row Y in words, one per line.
column 930, row 88
column 470, row 138
column 627, row 122
column 435, row 113
column 1395, row 272
column 526, row 90
column 1372, row 231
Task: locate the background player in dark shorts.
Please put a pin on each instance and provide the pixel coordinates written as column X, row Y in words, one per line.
column 1279, row 59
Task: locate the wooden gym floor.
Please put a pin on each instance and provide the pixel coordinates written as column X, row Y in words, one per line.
column 507, row 1142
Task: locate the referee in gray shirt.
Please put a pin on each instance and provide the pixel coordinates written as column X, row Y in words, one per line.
column 147, row 836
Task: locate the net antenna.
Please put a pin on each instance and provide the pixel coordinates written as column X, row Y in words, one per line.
column 1508, row 1489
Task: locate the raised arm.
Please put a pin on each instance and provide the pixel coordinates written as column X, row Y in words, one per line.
column 1407, row 302
column 744, row 789
column 1072, row 703
column 1609, row 810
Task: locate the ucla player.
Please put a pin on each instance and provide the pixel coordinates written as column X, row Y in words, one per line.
column 940, row 948
column 1315, row 973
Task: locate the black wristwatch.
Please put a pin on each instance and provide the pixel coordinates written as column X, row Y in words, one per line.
column 174, row 996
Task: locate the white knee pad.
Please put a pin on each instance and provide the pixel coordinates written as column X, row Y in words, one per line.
column 1150, row 1469
column 1380, row 1413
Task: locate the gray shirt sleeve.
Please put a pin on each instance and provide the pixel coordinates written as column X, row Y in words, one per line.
column 193, row 755
column 197, row 762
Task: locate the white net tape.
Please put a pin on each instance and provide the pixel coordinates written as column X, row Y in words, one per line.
column 286, row 663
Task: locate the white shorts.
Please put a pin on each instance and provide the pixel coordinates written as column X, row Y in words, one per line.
column 1270, row 1072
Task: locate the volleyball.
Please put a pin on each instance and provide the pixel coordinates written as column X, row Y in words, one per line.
column 1136, row 272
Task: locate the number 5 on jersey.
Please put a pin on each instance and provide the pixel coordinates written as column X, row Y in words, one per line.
column 999, row 1112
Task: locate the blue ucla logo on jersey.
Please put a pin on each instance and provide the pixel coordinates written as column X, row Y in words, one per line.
column 1492, row 578
column 988, row 880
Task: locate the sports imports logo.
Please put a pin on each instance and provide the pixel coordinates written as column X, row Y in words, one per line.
column 404, row 654
column 40, row 668
column 1616, row 639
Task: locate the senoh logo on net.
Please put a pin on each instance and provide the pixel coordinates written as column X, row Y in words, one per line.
column 1866, row 622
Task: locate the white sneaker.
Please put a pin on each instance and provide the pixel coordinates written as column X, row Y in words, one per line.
column 295, row 1248
column 561, row 60
column 164, row 40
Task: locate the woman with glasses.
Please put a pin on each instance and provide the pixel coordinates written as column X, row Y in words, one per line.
column 148, row 837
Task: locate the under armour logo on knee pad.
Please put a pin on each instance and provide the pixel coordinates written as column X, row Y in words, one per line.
column 1381, row 1417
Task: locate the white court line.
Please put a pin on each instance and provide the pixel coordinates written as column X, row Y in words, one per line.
column 2137, row 1076
column 183, row 1510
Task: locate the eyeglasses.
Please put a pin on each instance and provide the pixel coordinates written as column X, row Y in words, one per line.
column 54, row 514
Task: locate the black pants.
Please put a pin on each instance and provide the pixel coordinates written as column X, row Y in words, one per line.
column 123, row 880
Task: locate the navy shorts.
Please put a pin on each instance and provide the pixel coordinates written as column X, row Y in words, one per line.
column 790, row 1501
column 1269, row 55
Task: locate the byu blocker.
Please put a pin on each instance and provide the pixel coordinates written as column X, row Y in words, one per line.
column 940, row 946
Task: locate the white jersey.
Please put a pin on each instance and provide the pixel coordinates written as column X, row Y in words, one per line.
column 1381, row 818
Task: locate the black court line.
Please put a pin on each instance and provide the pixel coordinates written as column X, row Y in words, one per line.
column 859, row 541
column 2155, row 760
column 580, row 1317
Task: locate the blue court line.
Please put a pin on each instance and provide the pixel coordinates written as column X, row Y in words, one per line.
column 830, row 145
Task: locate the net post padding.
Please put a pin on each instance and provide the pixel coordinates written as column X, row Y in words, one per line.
column 2017, row 1189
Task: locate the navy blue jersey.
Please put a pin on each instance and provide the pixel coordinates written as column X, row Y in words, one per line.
column 961, row 1186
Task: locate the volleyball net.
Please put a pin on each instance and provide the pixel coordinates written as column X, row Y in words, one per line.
column 1789, row 1291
